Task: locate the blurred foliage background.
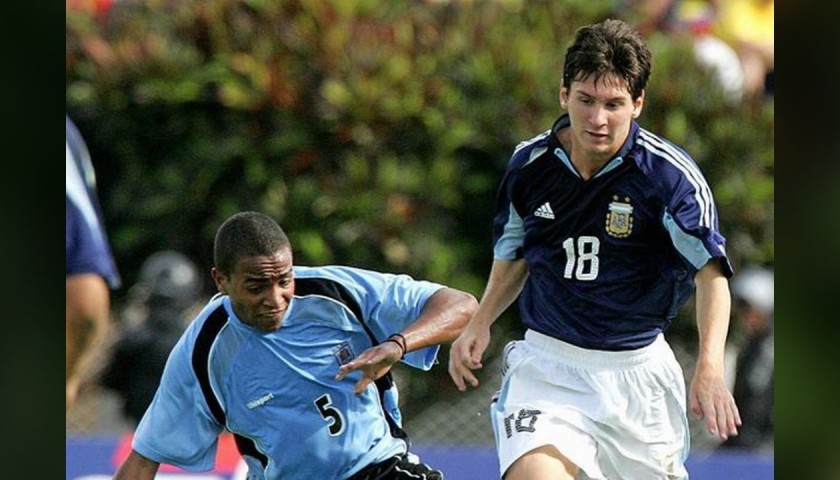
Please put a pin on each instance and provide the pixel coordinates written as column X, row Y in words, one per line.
column 375, row 132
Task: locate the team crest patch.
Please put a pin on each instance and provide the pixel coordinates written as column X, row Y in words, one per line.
column 620, row 218
column 343, row 353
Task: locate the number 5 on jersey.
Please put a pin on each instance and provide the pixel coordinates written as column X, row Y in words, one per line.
column 330, row 414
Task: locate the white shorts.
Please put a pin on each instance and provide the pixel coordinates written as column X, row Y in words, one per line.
column 616, row 415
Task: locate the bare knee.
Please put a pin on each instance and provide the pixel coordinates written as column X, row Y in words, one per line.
column 543, row 462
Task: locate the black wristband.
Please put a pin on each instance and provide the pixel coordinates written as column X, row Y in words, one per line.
column 399, row 339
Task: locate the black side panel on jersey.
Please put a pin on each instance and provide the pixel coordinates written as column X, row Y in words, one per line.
column 200, row 362
column 201, row 359
column 246, row 446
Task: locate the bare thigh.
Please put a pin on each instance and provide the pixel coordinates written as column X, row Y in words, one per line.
column 542, row 463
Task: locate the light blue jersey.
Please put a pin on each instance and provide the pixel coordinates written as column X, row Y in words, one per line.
column 276, row 391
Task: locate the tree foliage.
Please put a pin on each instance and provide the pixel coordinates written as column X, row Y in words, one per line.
column 375, row 132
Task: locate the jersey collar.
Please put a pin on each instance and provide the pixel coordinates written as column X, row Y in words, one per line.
column 564, row 122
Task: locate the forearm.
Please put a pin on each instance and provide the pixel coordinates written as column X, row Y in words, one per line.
column 709, row 397
column 87, row 305
column 443, row 317
column 713, row 309
column 507, row 277
column 78, row 336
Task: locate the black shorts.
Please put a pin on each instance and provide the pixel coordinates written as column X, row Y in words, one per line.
column 397, row 468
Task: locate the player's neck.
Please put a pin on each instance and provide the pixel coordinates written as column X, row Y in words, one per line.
column 586, row 164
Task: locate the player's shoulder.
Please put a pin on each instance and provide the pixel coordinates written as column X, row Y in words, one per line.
column 214, row 324
column 336, row 273
column 333, row 281
column 655, row 152
column 528, row 150
column 356, row 281
column 212, row 316
column 665, row 161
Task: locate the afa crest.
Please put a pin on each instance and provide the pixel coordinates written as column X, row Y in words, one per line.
column 620, row 218
column 343, row 353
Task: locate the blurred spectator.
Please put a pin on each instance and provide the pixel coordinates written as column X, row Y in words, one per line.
column 699, row 18
column 698, row 21
column 748, row 25
column 159, row 308
column 647, row 16
column 753, row 307
column 90, row 269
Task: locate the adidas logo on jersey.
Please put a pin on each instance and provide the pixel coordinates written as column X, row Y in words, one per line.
column 545, row 211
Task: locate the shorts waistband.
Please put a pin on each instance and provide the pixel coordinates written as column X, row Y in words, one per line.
column 587, row 358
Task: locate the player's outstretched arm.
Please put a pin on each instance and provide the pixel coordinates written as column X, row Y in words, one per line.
column 443, row 317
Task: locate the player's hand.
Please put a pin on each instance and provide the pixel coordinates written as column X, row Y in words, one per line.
column 465, row 355
column 373, row 362
column 712, row 402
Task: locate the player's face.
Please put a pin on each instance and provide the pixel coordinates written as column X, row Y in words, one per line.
column 260, row 289
column 601, row 114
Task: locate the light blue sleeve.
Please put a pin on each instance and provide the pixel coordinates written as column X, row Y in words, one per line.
column 389, row 303
column 508, row 226
column 400, row 303
column 178, row 428
column 508, row 245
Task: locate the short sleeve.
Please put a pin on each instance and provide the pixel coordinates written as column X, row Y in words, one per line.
column 178, row 428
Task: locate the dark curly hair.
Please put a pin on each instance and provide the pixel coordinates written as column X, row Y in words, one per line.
column 608, row 48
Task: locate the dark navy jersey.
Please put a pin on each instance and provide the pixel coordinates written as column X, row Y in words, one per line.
column 86, row 245
column 613, row 258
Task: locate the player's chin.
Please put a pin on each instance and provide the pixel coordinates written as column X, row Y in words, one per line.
column 600, row 143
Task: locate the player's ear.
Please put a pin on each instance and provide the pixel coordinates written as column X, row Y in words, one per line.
column 564, row 96
column 638, row 104
column 219, row 279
